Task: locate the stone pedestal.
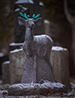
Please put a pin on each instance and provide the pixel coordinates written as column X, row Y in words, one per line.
column 26, row 89
column 59, row 61
column 6, row 73
column 17, row 60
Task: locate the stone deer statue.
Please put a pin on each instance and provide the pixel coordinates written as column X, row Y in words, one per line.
column 37, row 50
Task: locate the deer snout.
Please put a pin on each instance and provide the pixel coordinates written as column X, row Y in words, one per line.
column 33, row 24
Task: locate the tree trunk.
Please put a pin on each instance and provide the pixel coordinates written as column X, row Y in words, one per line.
column 73, row 42
column 68, row 15
column 71, row 20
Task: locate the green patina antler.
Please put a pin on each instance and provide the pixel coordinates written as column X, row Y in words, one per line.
column 34, row 17
column 27, row 16
column 24, row 15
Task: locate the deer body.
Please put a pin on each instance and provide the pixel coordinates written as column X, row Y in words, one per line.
column 37, row 50
column 38, row 46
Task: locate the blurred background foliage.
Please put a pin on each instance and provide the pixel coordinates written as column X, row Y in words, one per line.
column 6, row 20
column 61, row 14
column 6, row 24
column 60, row 29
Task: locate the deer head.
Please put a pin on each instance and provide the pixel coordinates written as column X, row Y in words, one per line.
column 29, row 22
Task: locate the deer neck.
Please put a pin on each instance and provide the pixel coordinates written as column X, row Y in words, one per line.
column 29, row 34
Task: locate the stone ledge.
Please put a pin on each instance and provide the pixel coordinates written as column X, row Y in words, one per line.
column 48, row 88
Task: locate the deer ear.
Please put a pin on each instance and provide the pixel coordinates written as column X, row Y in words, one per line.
column 21, row 21
column 38, row 21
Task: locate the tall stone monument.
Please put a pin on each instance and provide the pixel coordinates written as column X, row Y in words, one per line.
column 30, row 7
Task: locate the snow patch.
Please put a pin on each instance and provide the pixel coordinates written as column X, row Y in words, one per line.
column 53, row 84
column 24, row 1
column 6, row 62
column 1, row 54
column 42, row 38
column 46, row 21
column 58, row 48
column 16, row 50
column 17, row 9
column 16, row 44
column 40, row 3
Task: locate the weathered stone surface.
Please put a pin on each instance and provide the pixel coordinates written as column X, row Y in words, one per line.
column 5, row 72
column 43, row 71
column 60, row 67
column 17, row 60
column 59, row 61
column 47, row 27
column 36, row 69
column 37, row 65
column 29, row 74
column 36, row 88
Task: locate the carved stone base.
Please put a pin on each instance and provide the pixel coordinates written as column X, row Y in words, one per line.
column 36, row 89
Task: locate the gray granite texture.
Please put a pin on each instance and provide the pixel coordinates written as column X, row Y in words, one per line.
column 37, row 64
column 70, row 94
column 60, row 64
column 57, row 60
column 47, row 27
column 37, row 49
column 17, row 60
column 6, row 72
column 36, row 89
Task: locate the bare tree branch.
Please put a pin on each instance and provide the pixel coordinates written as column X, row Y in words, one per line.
column 68, row 15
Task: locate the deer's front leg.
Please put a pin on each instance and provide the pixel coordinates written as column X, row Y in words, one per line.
column 30, row 48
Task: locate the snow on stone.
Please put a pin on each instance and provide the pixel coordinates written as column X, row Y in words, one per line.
column 42, row 38
column 40, row 3
column 46, row 21
column 24, row 1
column 17, row 9
column 52, row 85
column 6, row 62
column 58, row 48
column 16, row 44
column 16, row 50
column 1, row 54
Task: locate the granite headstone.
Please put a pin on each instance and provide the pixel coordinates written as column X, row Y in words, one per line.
column 6, row 72
column 17, row 60
column 59, row 61
column 30, row 7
